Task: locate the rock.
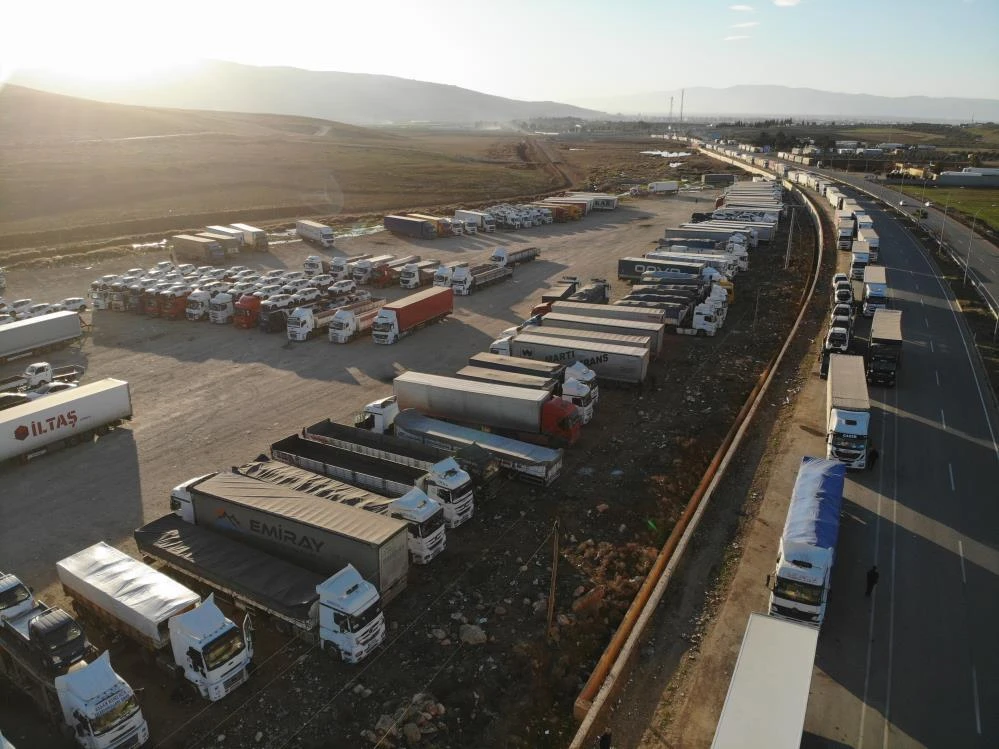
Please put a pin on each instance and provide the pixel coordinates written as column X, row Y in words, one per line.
column 540, row 605
column 589, row 604
column 603, row 507
column 563, row 620
column 471, row 634
column 458, row 617
column 259, row 737
column 412, row 733
column 617, row 473
column 386, row 724
column 358, row 688
column 440, row 634
column 499, row 611
column 440, row 708
column 578, row 591
column 220, row 738
column 369, row 736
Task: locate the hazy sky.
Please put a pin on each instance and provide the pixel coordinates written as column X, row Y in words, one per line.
column 563, row 50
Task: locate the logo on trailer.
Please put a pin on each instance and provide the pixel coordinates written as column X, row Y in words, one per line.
column 21, row 433
column 222, row 517
column 38, row 428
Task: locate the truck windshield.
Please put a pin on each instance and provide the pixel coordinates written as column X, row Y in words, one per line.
column 382, row 327
column 429, row 526
column 62, row 636
column 224, row 648
column 848, row 441
column 876, row 299
column 115, row 716
column 357, row 622
column 799, row 592
column 14, row 596
column 296, row 322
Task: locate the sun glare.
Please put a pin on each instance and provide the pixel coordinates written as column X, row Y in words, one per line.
column 110, row 67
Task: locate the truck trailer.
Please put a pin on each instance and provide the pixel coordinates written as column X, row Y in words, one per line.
column 398, row 319
column 192, row 248
column 848, row 411
column 466, row 280
column 410, row 226
column 652, row 331
column 626, row 365
column 418, row 275
column 351, row 321
column 315, row 233
column 884, row 352
column 321, row 536
column 578, row 381
column 799, row 585
column 343, row 611
column 875, row 290
column 37, row 334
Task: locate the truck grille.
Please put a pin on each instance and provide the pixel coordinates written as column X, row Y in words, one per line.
column 129, row 741
column 374, row 633
column 235, row 680
column 798, row 616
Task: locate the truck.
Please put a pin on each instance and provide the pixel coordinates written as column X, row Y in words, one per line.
column 417, row 275
column 321, row 536
column 799, row 584
column 397, row 319
column 37, row 334
column 173, row 303
column 527, row 415
column 226, row 231
column 351, row 321
column 253, row 237
column 273, row 313
column 611, row 311
column 41, row 373
column 315, row 265
column 362, row 270
column 62, row 419
column 482, row 221
column 389, row 274
column 680, row 316
column 706, row 231
column 859, row 260
column 466, row 280
column 625, row 365
column 409, row 226
column 443, row 227
column 343, row 610
column 502, row 256
column 305, row 322
column 221, row 308
column 848, row 411
column 192, row 248
column 875, row 290
column 445, row 272
column 578, row 382
column 578, row 395
column 315, row 233
column 230, row 243
column 161, row 615
column 444, row 479
column 653, row 331
column 664, row 187
column 884, row 352
column 342, row 268
column 562, row 289
column 525, row 461
column 246, row 311
column 872, row 240
column 597, row 291
column 633, row 268
column 585, row 334
column 727, row 264
column 765, row 706
column 314, row 469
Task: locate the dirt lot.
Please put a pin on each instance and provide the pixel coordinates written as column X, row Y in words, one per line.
column 206, row 398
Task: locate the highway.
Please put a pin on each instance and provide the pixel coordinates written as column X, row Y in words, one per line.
column 917, row 664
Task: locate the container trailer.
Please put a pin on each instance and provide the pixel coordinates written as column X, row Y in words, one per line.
column 884, row 352
column 37, row 334
column 315, row 233
column 621, row 364
column 410, row 226
column 351, row 321
column 398, row 319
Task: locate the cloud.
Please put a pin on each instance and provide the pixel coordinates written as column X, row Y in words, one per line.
column 741, row 8
column 736, row 37
column 786, row 3
column 744, row 25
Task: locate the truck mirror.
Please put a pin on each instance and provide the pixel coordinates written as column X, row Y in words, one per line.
column 768, row 581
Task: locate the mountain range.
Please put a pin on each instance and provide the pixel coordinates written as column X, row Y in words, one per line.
column 365, row 99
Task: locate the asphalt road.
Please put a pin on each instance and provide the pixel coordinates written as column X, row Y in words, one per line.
column 917, row 664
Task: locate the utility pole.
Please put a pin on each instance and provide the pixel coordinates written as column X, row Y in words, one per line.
column 683, row 92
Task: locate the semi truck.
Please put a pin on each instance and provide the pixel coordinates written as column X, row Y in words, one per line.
column 654, row 332
column 578, row 396
column 305, row 322
column 765, row 704
column 528, row 415
column 321, row 536
column 351, row 321
column 388, row 274
column 341, row 268
column 634, row 268
column 363, row 269
column 343, row 611
column 445, row 272
column 799, row 585
column 578, row 381
column 253, row 237
column 37, row 334
column 875, row 289
column 418, row 275
column 397, row 319
column 502, row 256
column 884, row 352
column 443, row 226
column 192, row 248
column 131, row 598
column 483, row 222
column 231, row 243
column 525, row 461
column 62, row 419
column 409, row 226
column 466, row 280
column 848, row 411
column 586, row 335
column 315, row 233
column 41, row 373
column 302, row 467
column 441, row 479
column 626, row 365
column 315, row 265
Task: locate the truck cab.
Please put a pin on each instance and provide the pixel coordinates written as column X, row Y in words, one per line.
column 447, row 483
column 445, row 272
column 100, row 707
column 800, row 583
column 424, row 517
column 350, row 615
column 53, row 637
column 197, row 305
column 220, row 309
column 212, row 651
column 858, row 262
column 245, row 311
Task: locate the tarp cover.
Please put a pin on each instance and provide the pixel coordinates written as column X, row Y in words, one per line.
column 134, row 592
column 292, row 477
column 256, row 575
column 813, row 517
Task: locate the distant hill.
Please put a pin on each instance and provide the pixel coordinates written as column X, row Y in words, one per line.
column 788, row 101
column 356, row 98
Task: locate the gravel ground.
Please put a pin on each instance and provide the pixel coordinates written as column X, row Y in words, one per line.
column 468, row 661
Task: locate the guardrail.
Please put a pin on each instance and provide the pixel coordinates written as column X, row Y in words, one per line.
column 607, row 676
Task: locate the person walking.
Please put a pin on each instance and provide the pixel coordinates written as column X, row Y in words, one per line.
column 872, row 580
column 873, row 458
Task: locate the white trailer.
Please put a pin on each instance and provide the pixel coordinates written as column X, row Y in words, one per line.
column 314, row 232
column 768, row 694
column 481, row 220
column 36, row 334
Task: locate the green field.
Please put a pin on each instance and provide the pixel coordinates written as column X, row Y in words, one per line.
column 970, row 202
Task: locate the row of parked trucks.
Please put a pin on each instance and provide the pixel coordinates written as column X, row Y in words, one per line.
column 216, row 243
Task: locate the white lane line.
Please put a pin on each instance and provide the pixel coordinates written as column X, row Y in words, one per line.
column 960, row 553
column 931, row 348
column 950, row 470
column 943, row 419
column 937, row 373
column 922, row 302
column 926, row 321
column 974, row 691
column 891, row 593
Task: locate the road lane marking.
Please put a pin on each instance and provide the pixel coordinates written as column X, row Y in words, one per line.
column 974, row 691
column 960, row 553
column 937, row 373
column 922, row 302
column 926, row 321
column 950, row 470
column 891, row 591
column 931, row 348
column 943, row 419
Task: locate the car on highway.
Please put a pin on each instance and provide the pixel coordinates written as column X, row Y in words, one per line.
column 843, row 296
column 843, row 311
column 840, row 278
column 837, row 340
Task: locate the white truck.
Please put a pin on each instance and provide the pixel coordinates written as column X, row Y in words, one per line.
column 502, row 256
column 848, row 411
column 859, row 260
column 305, row 322
column 41, row 373
column 36, row 334
column 445, row 272
column 362, row 270
column 482, row 221
column 873, row 241
column 664, row 187
column 341, row 268
column 352, row 321
column 418, row 275
column 315, row 233
column 468, row 279
column 221, row 308
column 875, row 289
column 252, row 236
column 63, row 419
column 622, row 364
column 342, row 478
column 343, row 611
column 131, row 598
column 799, row 584
column 766, row 702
